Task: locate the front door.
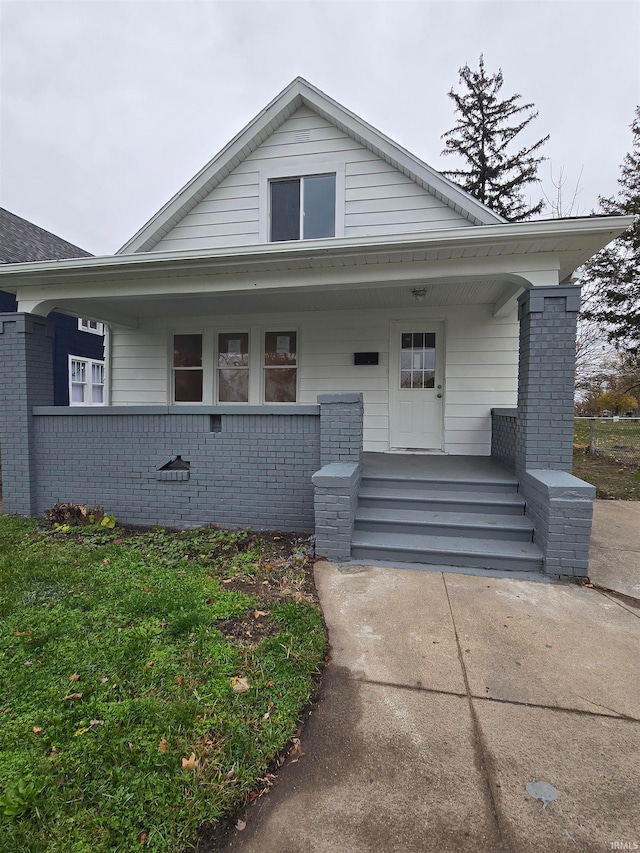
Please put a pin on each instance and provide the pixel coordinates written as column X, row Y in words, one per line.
column 416, row 377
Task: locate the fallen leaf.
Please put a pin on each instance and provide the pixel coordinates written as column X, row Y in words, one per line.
column 163, row 746
column 163, row 623
column 240, row 824
column 268, row 568
column 179, row 679
column 269, row 684
column 258, row 613
column 54, row 751
column 21, row 633
column 240, row 685
column 74, row 677
column 37, row 730
column 146, row 589
column 295, row 753
column 117, row 541
column 149, row 663
column 28, row 663
column 106, row 561
column 72, row 696
column 190, row 763
column 266, row 716
column 227, row 580
column 96, row 723
column 81, row 731
column 143, row 838
column 104, row 680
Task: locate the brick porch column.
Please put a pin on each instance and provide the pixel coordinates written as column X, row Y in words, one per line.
column 26, row 380
column 559, row 504
column 546, row 376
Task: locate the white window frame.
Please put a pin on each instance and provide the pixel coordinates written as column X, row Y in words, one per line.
column 207, row 367
column 263, row 367
column 300, row 167
column 83, row 326
column 89, row 364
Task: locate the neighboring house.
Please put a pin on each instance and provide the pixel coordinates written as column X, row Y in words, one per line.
column 78, row 344
column 314, row 292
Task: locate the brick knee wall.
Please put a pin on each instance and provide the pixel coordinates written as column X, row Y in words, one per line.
column 244, row 469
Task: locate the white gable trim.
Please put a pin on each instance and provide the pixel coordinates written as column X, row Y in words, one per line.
column 297, row 94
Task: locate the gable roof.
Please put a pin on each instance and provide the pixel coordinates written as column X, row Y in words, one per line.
column 298, row 93
column 21, row 241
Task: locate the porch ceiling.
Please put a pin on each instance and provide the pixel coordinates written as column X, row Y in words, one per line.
column 398, row 295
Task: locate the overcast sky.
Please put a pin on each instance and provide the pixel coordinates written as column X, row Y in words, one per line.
column 109, row 106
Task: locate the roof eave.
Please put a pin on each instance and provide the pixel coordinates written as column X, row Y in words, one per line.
column 604, row 229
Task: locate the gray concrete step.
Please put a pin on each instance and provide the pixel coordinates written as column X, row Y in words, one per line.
column 446, row 551
column 498, row 484
column 514, row 528
column 503, row 503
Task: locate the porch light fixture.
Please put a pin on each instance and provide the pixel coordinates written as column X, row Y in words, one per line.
column 419, row 294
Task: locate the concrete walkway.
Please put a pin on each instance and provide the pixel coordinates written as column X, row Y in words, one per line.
column 463, row 713
column 614, row 561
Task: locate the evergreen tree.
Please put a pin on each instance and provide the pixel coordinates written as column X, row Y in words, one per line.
column 614, row 273
column 496, row 171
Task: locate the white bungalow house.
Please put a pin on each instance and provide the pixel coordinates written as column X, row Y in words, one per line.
column 314, row 292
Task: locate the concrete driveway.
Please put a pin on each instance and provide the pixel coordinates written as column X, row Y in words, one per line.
column 463, row 713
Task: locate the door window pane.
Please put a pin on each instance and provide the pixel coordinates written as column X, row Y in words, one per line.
column 319, row 206
column 417, row 360
column 285, row 210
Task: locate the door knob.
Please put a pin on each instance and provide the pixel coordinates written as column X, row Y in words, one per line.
column 439, row 395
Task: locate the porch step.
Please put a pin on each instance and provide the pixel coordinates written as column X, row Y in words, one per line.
column 446, row 550
column 514, row 528
column 423, row 497
column 499, row 485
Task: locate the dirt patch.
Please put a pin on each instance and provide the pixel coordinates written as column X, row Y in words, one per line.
column 250, row 628
column 613, row 480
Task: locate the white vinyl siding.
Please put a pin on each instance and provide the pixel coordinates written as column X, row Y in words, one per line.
column 481, row 358
column 379, row 199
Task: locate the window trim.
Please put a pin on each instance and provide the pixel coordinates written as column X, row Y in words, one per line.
column 300, row 167
column 206, row 375
column 89, row 385
column 99, row 330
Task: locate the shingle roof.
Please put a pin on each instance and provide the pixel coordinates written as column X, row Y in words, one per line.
column 21, row 241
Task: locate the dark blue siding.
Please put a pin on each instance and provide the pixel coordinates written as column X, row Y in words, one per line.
column 67, row 340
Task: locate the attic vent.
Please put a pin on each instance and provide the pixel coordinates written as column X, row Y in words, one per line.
column 302, row 136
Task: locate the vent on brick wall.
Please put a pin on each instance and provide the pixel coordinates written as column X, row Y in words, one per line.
column 215, row 423
column 302, row 136
column 174, row 468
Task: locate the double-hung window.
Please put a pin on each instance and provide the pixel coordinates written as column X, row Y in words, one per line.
column 302, row 208
column 280, row 367
column 90, row 326
column 233, row 367
column 187, row 368
column 86, row 381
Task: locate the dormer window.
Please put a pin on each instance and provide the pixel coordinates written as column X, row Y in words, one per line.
column 302, row 208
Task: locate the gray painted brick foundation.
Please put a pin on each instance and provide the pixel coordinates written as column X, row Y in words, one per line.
column 253, row 470
column 336, row 502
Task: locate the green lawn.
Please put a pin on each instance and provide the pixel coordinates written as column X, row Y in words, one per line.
column 147, row 680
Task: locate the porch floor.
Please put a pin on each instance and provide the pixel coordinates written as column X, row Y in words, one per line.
column 424, row 466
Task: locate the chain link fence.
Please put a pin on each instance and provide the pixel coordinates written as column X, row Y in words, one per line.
column 615, row 438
